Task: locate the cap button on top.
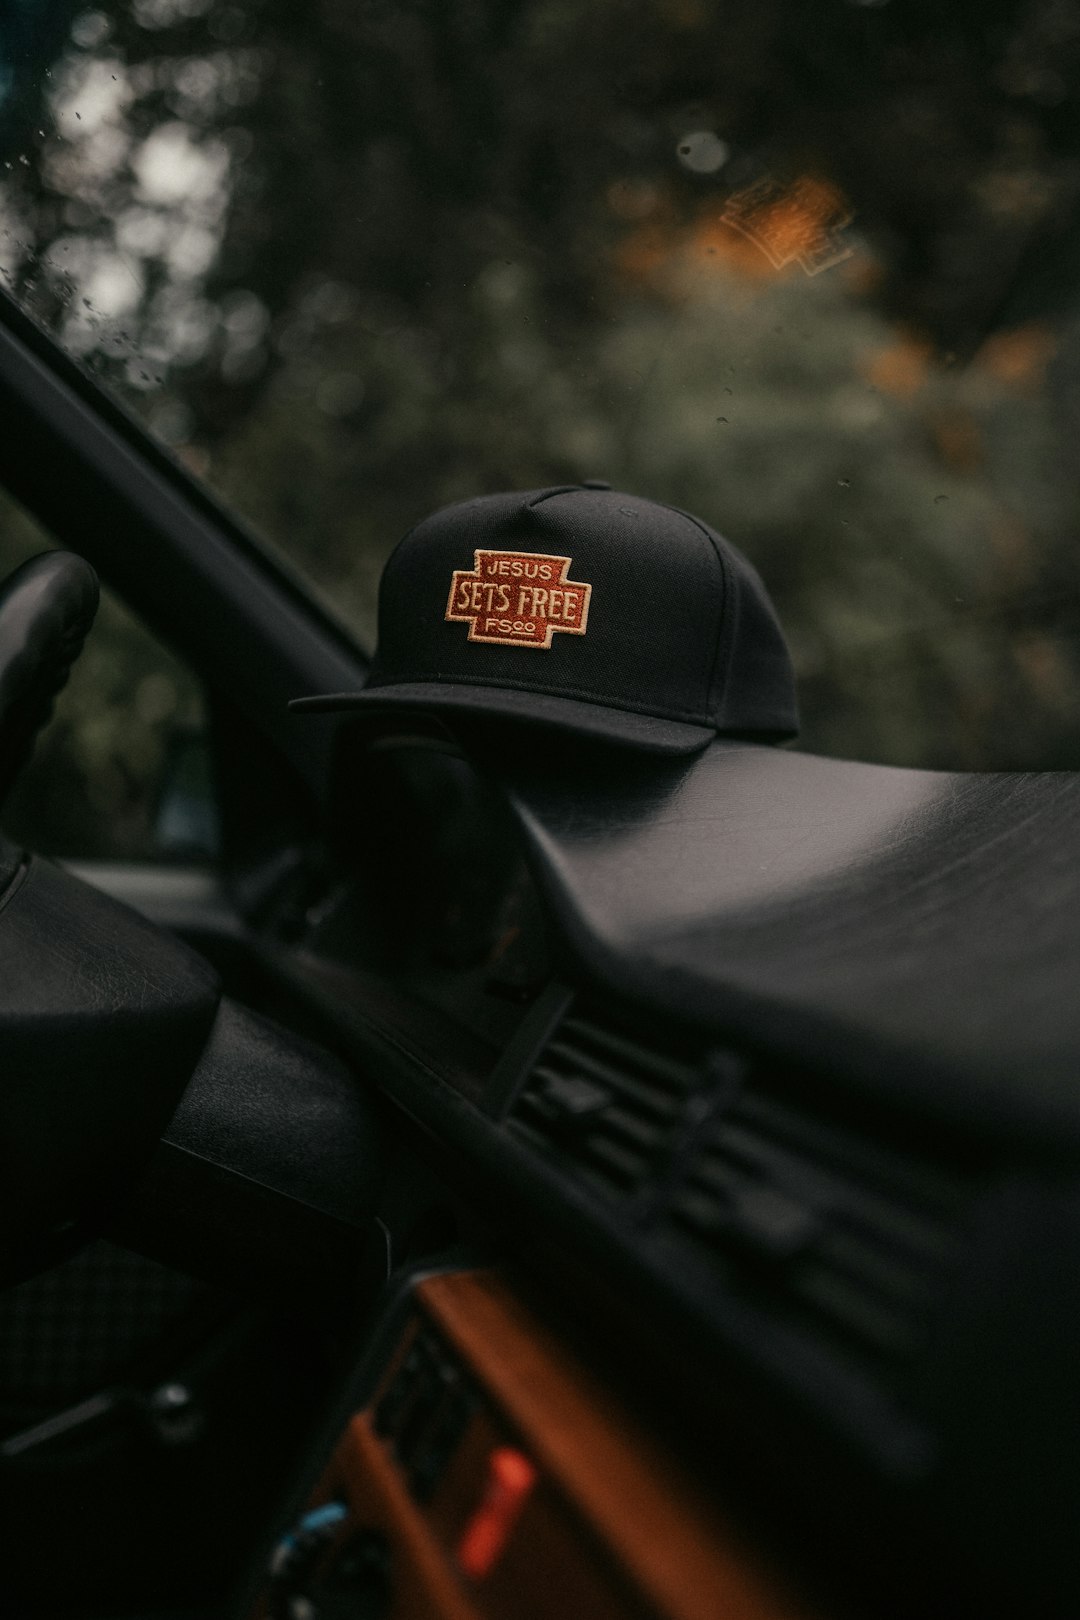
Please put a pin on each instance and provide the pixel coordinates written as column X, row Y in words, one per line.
column 595, row 483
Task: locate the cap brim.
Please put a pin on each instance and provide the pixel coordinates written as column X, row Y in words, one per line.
column 622, row 727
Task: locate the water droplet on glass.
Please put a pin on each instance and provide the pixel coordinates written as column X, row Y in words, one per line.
column 845, row 483
column 721, row 418
column 703, row 152
column 939, row 498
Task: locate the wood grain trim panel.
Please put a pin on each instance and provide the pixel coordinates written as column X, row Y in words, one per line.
column 424, row 1584
column 674, row 1545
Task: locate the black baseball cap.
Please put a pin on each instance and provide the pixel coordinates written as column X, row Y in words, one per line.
column 584, row 609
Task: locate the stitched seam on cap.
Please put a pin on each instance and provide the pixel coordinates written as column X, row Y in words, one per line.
column 415, row 678
column 549, row 494
column 727, row 615
column 727, row 598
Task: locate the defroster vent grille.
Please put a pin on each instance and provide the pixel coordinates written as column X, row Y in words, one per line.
column 836, row 1227
column 822, row 1223
column 604, row 1105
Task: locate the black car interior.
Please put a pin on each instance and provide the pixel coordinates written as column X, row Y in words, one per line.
column 571, row 1182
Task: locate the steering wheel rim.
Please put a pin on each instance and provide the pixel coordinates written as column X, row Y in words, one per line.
column 47, row 607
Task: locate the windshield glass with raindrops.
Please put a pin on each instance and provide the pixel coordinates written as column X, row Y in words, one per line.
column 812, row 271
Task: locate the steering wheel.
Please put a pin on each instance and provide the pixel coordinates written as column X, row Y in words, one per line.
column 46, row 610
column 135, row 1098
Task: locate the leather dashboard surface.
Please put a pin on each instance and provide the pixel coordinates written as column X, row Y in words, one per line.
column 919, row 930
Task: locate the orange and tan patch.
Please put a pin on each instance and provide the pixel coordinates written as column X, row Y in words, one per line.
column 518, row 598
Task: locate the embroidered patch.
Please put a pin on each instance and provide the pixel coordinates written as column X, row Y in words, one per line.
column 518, row 598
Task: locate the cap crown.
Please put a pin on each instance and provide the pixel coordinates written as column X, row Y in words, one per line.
column 591, row 595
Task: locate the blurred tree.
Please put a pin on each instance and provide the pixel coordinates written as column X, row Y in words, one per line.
column 354, row 260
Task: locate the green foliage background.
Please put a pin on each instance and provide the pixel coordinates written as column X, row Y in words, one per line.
column 353, row 260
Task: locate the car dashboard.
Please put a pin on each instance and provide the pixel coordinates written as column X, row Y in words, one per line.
column 754, row 1077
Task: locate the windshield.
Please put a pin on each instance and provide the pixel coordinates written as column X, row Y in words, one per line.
column 811, row 271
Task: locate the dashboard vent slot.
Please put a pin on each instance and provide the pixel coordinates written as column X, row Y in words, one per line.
column 423, row 1412
column 815, row 1220
column 603, row 1104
